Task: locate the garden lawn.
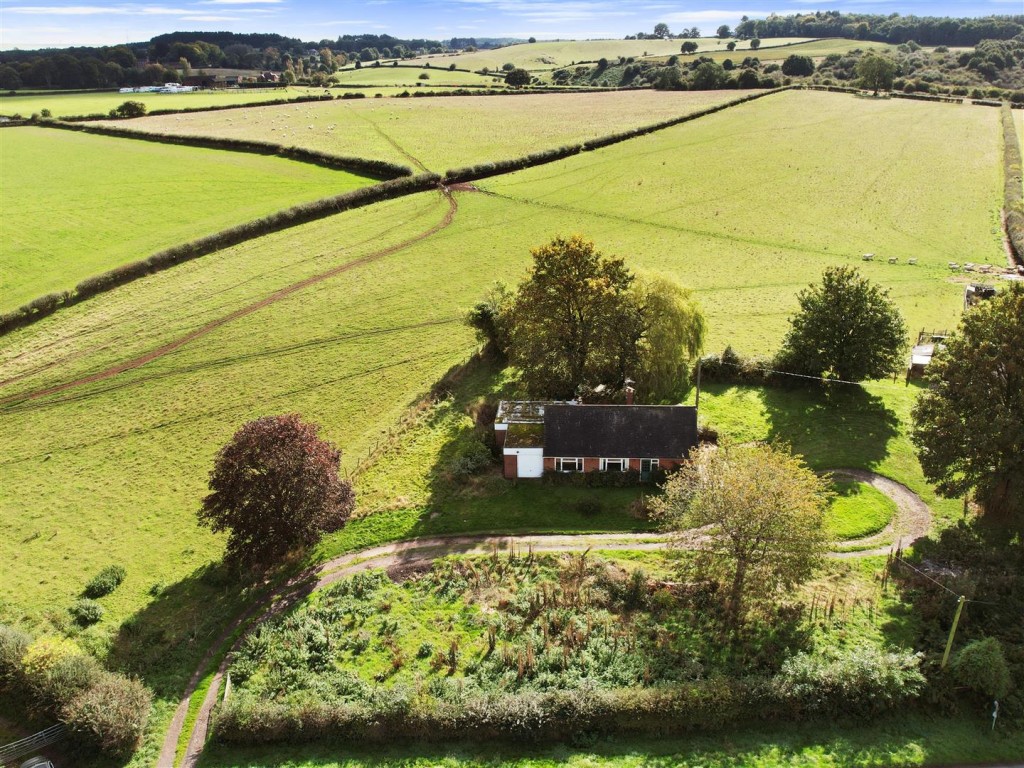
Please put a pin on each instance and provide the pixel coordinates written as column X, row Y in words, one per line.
column 848, row 426
column 858, row 510
column 442, row 132
column 751, row 204
column 75, row 104
column 77, row 204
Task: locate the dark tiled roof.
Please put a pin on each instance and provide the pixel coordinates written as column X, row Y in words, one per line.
column 620, row 431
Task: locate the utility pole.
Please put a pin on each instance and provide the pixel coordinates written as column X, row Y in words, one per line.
column 952, row 630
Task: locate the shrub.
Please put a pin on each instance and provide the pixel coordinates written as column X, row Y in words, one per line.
column 63, row 680
column 87, row 611
column 981, row 666
column 129, row 109
column 471, row 457
column 861, row 682
column 110, row 715
column 105, row 582
column 14, row 644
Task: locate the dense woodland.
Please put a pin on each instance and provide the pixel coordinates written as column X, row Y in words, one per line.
column 162, row 58
column 925, row 30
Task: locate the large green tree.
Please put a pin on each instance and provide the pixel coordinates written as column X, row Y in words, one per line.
column 667, row 335
column 969, row 425
column 754, row 515
column 798, row 66
column 582, row 319
column 275, row 487
column 876, row 72
column 847, row 328
column 517, row 78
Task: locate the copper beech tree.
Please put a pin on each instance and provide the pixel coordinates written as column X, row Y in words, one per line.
column 274, row 488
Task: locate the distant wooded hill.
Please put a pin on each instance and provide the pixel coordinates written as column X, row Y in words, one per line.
column 925, row 30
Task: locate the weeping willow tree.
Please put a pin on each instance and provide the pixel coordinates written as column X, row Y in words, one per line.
column 581, row 319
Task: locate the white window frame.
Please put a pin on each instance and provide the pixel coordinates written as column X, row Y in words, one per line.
column 568, row 464
column 623, row 468
column 649, row 465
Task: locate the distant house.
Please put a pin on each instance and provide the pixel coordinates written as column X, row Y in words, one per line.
column 537, row 437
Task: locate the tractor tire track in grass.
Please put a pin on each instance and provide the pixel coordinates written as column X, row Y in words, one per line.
column 213, row 325
column 197, row 317
column 913, row 521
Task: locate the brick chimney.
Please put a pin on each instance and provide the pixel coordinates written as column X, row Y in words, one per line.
column 630, row 390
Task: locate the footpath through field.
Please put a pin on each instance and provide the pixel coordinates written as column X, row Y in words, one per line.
column 401, row 558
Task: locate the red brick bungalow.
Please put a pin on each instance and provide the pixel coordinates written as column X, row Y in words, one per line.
column 538, row 437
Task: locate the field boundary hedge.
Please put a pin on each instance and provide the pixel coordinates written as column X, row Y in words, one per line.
column 377, row 169
column 211, row 108
column 862, row 685
column 165, row 259
column 1013, row 192
column 486, row 170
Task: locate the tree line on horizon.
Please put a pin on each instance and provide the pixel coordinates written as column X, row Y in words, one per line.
column 892, row 28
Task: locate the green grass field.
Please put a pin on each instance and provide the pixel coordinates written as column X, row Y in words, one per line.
column 442, row 133
column 911, row 740
column 347, row 354
column 112, row 471
column 410, row 76
column 72, row 104
column 858, row 510
column 77, row 205
column 749, row 205
column 549, row 55
column 773, row 51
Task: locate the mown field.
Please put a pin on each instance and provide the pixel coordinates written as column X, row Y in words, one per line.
column 548, row 55
column 410, row 77
column 112, row 471
column 441, row 133
column 72, row 104
column 76, row 205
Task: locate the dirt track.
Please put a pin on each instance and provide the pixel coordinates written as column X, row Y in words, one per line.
column 166, row 349
column 912, row 521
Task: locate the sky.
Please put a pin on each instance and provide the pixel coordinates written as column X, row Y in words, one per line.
column 30, row 24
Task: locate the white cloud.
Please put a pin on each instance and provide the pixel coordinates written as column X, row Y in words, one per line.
column 210, row 18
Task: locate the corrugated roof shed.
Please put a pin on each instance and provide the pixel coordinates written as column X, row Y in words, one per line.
column 620, row 431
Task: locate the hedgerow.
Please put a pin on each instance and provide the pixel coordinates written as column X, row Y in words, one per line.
column 485, row 170
column 290, row 217
column 378, row 169
column 1013, row 193
column 212, row 108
